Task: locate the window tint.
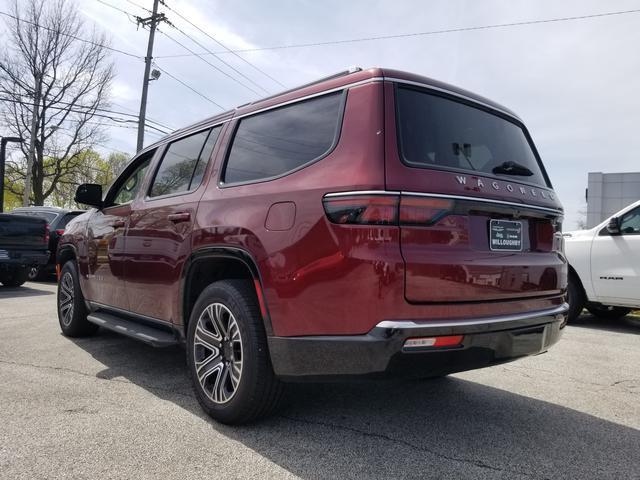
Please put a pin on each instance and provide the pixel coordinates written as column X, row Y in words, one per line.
column 67, row 218
column 630, row 222
column 279, row 141
column 128, row 190
column 49, row 217
column 204, row 157
column 438, row 132
column 184, row 160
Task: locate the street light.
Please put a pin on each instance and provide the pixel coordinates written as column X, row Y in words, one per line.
column 3, row 154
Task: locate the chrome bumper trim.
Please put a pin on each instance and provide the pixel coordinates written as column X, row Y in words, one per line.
column 410, row 324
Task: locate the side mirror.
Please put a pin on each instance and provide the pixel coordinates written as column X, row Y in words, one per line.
column 613, row 227
column 89, row 194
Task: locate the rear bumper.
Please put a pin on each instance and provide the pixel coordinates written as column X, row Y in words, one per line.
column 17, row 258
column 486, row 341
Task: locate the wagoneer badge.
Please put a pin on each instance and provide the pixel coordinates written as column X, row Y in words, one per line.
column 462, row 180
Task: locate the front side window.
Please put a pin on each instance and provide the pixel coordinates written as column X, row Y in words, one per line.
column 183, row 164
column 630, row 222
column 278, row 141
column 128, row 187
column 436, row 132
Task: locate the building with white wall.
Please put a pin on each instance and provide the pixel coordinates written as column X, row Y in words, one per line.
column 609, row 192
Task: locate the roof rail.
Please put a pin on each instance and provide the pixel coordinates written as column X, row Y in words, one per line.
column 348, row 71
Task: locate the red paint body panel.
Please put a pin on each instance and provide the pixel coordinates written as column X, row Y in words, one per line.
column 321, row 278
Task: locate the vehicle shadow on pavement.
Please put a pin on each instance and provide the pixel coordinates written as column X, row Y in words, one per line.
column 627, row 324
column 440, row 428
column 23, row 291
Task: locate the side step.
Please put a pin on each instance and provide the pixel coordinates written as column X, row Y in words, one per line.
column 149, row 335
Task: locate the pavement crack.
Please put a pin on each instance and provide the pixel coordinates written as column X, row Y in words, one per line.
column 419, row 448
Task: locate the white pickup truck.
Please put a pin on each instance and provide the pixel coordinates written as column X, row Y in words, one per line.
column 604, row 266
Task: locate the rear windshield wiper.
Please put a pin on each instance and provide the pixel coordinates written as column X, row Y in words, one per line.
column 512, row 168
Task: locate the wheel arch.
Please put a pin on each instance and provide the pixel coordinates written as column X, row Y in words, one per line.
column 64, row 254
column 210, row 264
column 573, row 273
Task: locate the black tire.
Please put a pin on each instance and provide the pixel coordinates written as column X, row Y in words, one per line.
column 15, row 277
column 36, row 272
column 72, row 311
column 610, row 313
column 575, row 297
column 236, row 341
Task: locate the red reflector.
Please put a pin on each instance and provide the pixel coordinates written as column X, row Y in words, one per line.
column 60, row 231
column 422, row 342
column 362, row 209
column 423, row 211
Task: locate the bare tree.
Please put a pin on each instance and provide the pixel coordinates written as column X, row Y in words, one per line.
column 52, row 84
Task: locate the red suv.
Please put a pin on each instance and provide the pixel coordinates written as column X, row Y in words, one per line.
column 373, row 222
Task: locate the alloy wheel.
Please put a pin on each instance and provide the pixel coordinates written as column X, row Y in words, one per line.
column 217, row 353
column 33, row 273
column 66, row 298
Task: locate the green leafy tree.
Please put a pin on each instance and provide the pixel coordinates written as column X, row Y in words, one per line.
column 92, row 168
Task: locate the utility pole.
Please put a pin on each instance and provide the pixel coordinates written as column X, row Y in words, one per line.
column 3, row 159
column 32, row 140
column 150, row 22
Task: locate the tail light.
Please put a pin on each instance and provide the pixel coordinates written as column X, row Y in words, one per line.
column 423, row 211
column 386, row 210
column 549, row 236
column 363, row 209
column 59, row 231
column 46, row 234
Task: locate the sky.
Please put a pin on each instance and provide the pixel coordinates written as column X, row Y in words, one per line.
column 574, row 83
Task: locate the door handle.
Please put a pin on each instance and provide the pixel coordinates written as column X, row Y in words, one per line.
column 179, row 217
column 118, row 224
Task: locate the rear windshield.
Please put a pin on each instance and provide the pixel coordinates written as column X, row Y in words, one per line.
column 49, row 217
column 436, row 132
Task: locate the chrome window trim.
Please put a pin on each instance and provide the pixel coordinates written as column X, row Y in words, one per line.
column 180, row 133
column 410, row 324
column 442, row 195
column 312, row 95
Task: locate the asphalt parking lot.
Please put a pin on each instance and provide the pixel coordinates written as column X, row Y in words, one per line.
column 108, row 407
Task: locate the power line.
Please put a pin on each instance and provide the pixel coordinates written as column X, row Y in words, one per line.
column 134, row 114
column 108, row 48
column 209, row 51
column 208, row 62
column 90, row 42
column 419, row 34
column 188, row 86
column 94, row 114
column 227, row 49
column 138, row 19
column 100, row 109
column 116, row 8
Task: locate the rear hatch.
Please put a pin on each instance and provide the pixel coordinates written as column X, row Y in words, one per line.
column 20, row 232
column 479, row 220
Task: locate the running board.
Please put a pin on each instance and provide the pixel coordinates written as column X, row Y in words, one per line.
column 149, row 335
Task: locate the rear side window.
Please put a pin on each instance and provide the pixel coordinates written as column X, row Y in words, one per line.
column 183, row 164
column 436, row 132
column 66, row 219
column 276, row 142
